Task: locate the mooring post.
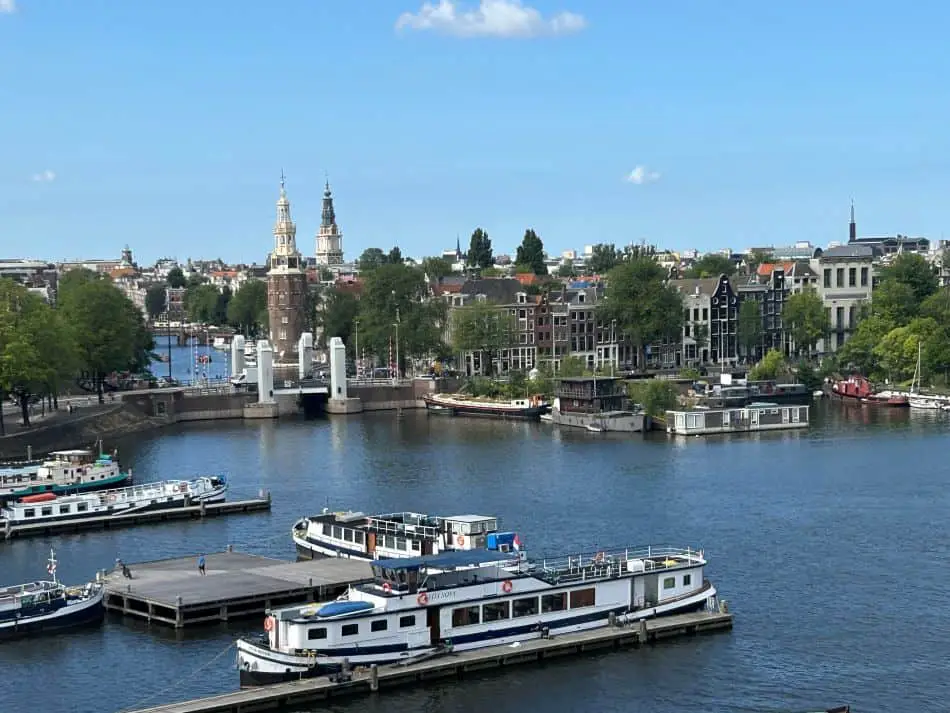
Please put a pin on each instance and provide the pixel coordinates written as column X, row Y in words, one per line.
column 374, row 677
column 612, row 619
column 642, row 634
column 7, row 530
column 230, row 547
column 29, row 453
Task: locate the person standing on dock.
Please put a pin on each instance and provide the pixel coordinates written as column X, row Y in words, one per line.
column 201, row 564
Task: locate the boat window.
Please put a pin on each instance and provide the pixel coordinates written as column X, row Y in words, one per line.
column 525, row 607
column 29, row 512
column 409, row 620
column 82, row 507
column 337, row 532
column 379, row 625
column 47, row 510
column 669, row 583
column 349, row 630
column 63, row 509
column 495, row 611
column 320, row 633
column 583, row 598
column 359, row 538
column 687, row 580
column 389, row 542
column 554, row 602
column 327, row 529
column 401, row 544
column 348, row 535
column 465, row 616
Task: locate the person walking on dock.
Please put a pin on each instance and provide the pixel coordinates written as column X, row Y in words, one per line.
column 201, row 564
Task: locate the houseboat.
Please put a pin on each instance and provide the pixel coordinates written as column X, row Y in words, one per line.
column 73, row 471
column 458, row 601
column 48, row 605
column 858, row 389
column 598, row 404
column 526, row 409
column 49, row 507
column 730, row 396
column 356, row 535
column 753, row 418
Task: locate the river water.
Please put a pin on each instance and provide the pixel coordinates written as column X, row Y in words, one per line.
column 830, row 546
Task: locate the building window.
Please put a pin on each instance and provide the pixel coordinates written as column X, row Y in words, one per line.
column 864, row 277
column 839, row 277
column 827, row 277
column 852, row 277
column 554, row 602
column 465, row 616
column 669, row 583
column 282, row 334
column 379, row 625
column 583, row 598
column 349, row 629
column 320, row 633
column 495, row 611
column 406, row 621
column 285, row 319
column 687, row 580
column 839, row 317
column 525, row 607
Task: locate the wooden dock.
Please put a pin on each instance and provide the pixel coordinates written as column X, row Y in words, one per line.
column 236, row 585
column 364, row 681
column 111, row 522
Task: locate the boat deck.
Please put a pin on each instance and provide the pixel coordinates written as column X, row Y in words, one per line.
column 236, row 585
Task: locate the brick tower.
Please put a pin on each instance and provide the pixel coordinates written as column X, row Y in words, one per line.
column 286, row 285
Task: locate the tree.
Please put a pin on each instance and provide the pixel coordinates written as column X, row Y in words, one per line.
column 806, row 320
column 646, row 308
column 74, row 278
column 484, row 328
column 155, row 300
column 530, row 253
column 566, row 269
column 479, row 250
column 914, row 271
column 395, row 256
column 247, row 309
column 435, row 268
column 711, row 265
column 749, row 326
column 858, row 352
column 201, row 304
column 655, row 396
column 176, row 278
column 196, row 280
column 603, row 258
column 894, row 301
column 370, row 259
column 937, row 306
column 338, row 315
column 326, row 275
column 769, row 367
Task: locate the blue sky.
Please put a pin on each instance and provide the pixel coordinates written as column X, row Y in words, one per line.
column 165, row 125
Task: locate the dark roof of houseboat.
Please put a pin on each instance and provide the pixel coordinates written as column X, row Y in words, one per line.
column 446, row 560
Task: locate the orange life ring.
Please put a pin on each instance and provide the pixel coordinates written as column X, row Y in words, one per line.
column 600, row 557
column 506, row 586
column 387, row 587
column 460, row 540
column 423, row 598
column 268, row 623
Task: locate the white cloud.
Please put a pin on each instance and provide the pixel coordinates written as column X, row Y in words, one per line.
column 492, row 18
column 7, row 7
column 46, row 176
column 641, row 174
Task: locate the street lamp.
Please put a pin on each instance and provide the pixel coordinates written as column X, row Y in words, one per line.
column 613, row 345
column 356, row 347
column 396, row 325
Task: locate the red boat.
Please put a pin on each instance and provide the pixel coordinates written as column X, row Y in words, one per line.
column 38, row 498
column 858, row 388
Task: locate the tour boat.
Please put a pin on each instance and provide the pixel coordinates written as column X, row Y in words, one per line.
column 356, row 535
column 456, row 601
column 74, row 471
column 529, row 409
column 858, row 388
column 49, row 507
column 48, row 605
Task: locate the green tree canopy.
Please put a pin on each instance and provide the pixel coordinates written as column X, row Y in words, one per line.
column 806, row 320
column 858, row 352
column 176, row 278
column 338, row 316
column 603, row 258
column 479, row 250
column 203, row 304
column 711, row 265
column 156, row 300
column 771, row 366
column 530, row 253
column 484, row 328
column 655, row 396
column 646, row 308
column 395, row 256
column 247, row 309
column 566, row 269
column 435, row 268
column 749, row 326
column 914, row 271
column 370, row 259
column 894, row 301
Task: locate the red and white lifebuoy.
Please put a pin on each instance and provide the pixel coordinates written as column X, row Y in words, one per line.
column 268, row 623
column 387, row 587
column 460, row 540
column 422, row 598
column 506, row 586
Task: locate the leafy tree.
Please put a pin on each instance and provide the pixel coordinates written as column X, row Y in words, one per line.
column 806, row 320
column 656, row 396
column 484, row 328
column 530, row 253
column 176, row 278
column 937, row 306
column 809, row 376
column 247, row 309
column 435, row 268
column 858, row 352
column 479, row 250
column 74, row 278
column 711, row 265
column 572, row 366
column 749, row 326
column 395, row 256
column 370, row 259
column 646, row 308
column 201, row 304
column 566, row 269
column 603, row 258
column 897, row 351
column 326, row 275
column 914, row 271
column 894, row 301
column 769, row 367
column 196, row 280
column 156, row 300
column 338, row 315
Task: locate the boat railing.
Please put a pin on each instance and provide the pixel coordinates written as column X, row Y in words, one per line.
column 613, row 563
column 394, row 527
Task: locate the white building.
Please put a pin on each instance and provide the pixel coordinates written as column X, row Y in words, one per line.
column 329, row 248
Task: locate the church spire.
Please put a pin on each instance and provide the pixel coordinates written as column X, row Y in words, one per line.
column 329, row 238
column 852, row 226
column 329, row 216
column 285, row 232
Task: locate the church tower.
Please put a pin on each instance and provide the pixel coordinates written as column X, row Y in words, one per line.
column 329, row 238
column 286, row 285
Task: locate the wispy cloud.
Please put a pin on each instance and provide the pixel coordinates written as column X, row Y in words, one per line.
column 7, row 7
column 641, row 174
column 46, row 176
column 492, row 18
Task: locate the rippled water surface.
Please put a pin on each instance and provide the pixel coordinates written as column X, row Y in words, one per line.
column 829, row 545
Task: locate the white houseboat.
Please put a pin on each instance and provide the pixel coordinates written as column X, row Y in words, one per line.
column 48, row 605
column 753, row 418
column 424, row 606
column 48, row 507
column 72, row 471
column 356, row 535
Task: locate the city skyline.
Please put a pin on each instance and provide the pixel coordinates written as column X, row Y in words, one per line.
column 166, row 127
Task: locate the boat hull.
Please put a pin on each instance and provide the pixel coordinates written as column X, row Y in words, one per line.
column 259, row 665
column 116, row 481
column 486, row 410
column 307, row 549
column 88, row 612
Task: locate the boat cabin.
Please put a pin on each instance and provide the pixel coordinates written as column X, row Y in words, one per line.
column 450, row 569
column 591, row 395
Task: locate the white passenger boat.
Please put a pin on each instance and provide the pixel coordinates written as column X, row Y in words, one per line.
column 457, row 601
column 48, row 605
column 356, row 535
column 72, row 471
column 48, row 507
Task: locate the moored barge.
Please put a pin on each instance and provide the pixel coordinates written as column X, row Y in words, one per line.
column 754, row 418
column 859, row 389
column 71, row 471
column 526, row 409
